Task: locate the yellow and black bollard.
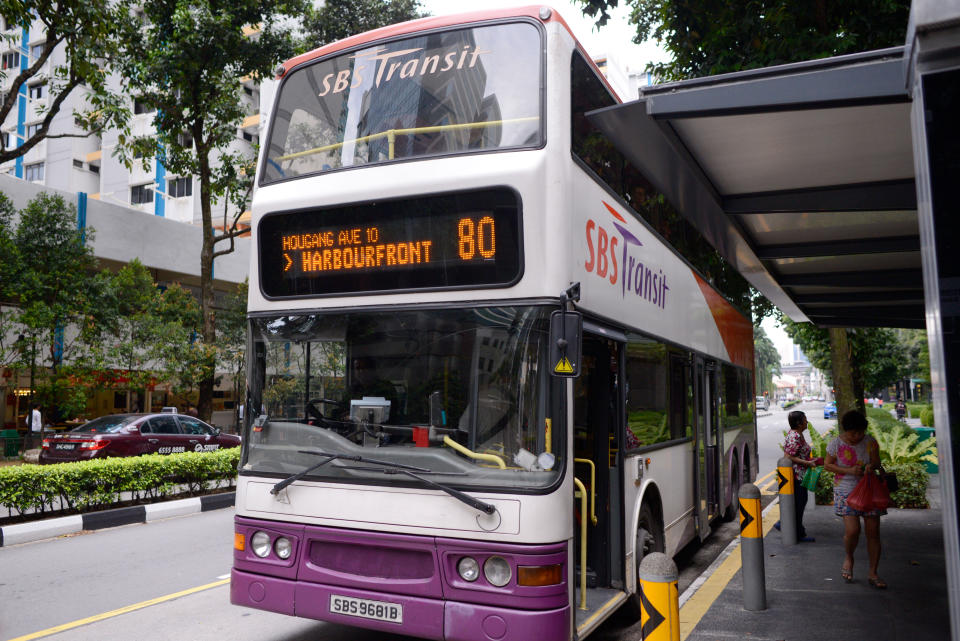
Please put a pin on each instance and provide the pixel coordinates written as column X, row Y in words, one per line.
column 751, row 549
column 788, row 501
column 659, row 599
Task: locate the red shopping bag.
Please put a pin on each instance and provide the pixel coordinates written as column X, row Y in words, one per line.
column 861, row 496
column 881, row 493
column 870, row 493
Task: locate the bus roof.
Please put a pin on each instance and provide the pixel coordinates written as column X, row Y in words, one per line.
column 424, row 24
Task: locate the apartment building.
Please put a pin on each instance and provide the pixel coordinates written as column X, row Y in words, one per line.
column 87, row 164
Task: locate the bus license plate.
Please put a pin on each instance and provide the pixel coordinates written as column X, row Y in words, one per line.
column 366, row 608
column 63, row 446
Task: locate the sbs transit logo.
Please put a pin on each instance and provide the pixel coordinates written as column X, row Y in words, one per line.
column 627, row 265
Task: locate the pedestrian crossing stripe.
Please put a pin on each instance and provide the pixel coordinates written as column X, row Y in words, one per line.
column 564, row 366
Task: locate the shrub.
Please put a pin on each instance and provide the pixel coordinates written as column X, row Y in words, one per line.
column 912, row 493
column 926, row 417
column 96, row 484
column 914, row 409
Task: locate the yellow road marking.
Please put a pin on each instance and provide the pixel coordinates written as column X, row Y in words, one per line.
column 118, row 612
column 764, row 477
column 697, row 605
column 766, row 488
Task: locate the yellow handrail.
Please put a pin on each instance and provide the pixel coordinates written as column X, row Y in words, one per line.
column 449, row 442
column 391, row 135
column 593, row 488
column 583, row 543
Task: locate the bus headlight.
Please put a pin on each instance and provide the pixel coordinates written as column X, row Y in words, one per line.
column 497, row 571
column 469, row 569
column 260, row 544
column 283, row 547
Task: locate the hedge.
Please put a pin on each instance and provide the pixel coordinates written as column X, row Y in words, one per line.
column 86, row 486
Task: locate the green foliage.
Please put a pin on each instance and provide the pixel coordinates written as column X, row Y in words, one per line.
column 338, row 19
column 649, row 426
column 900, row 447
column 915, row 409
column 706, row 38
column 82, row 32
column 766, row 361
column 912, row 479
column 97, row 484
column 926, row 417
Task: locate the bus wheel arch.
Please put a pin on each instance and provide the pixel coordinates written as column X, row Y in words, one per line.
column 733, row 488
column 649, row 537
column 746, row 476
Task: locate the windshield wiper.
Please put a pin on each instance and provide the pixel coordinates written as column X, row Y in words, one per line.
column 329, row 456
column 476, row 504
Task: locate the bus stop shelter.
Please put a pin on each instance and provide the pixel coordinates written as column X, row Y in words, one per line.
column 833, row 186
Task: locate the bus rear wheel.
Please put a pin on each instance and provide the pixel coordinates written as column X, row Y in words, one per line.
column 650, row 538
column 731, row 511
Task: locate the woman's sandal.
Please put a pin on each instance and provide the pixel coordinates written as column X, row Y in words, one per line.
column 847, row 574
column 878, row 583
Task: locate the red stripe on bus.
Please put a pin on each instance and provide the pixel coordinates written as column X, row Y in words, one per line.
column 735, row 330
column 613, row 211
column 425, row 24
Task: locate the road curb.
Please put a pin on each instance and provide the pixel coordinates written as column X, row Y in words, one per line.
column 51, row 528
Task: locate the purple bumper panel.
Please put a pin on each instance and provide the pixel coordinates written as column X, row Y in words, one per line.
column 400, row 583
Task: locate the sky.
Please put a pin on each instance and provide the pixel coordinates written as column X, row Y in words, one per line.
column 615, row 39
column 780, row 339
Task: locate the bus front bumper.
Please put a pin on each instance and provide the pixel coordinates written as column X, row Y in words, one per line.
column 443, row 620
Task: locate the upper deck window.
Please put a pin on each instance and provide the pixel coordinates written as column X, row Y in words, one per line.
column 440, row 93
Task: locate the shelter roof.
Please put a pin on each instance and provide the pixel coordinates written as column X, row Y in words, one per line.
column 801, row 175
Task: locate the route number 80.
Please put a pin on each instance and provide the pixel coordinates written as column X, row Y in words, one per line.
column 476, row 237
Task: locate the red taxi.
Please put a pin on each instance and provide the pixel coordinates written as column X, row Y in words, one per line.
column 133, row 435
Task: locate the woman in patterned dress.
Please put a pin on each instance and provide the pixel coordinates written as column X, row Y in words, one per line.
column 797, row 450
column 849, row 457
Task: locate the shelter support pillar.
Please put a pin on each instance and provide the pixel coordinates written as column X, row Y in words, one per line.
column 933, row 80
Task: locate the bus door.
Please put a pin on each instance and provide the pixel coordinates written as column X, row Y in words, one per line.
column 596, row 414
column 708, row 445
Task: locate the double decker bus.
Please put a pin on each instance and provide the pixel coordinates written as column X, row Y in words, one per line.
column 481, row 387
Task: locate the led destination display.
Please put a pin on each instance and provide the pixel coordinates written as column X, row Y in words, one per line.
column 455, row 240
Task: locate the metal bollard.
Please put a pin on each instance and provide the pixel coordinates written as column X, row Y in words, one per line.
column 788, row 502
column 751, row 549
column 659, row 599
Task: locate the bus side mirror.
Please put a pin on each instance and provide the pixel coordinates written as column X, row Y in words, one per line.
column 566, row 341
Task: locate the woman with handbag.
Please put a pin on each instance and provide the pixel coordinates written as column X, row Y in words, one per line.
column 850, row 456
column 796, row 448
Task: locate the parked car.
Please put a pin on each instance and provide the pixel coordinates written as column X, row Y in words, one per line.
column 830, row 410
column 763, row 403
column 133, row 435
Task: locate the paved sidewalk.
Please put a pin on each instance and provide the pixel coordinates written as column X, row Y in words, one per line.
column 807, row 599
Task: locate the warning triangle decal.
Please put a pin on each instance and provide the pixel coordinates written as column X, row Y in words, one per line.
column 564, row 366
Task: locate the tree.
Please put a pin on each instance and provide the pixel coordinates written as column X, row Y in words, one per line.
column 337, row 19
column 232, row 343
column 58, row 298
column 705, row 37
column 186, row 59
column 859, row 360
column 766, row 361
column 84, row 29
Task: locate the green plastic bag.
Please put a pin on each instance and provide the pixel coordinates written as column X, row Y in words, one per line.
column 810, row 478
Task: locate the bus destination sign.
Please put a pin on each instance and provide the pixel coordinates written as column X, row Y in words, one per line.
column 450, row 241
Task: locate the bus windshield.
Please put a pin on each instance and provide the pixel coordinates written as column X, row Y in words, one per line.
column 440, row 93
column 461, row 394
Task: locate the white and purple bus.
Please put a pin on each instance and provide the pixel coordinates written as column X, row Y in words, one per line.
column 481, row 387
